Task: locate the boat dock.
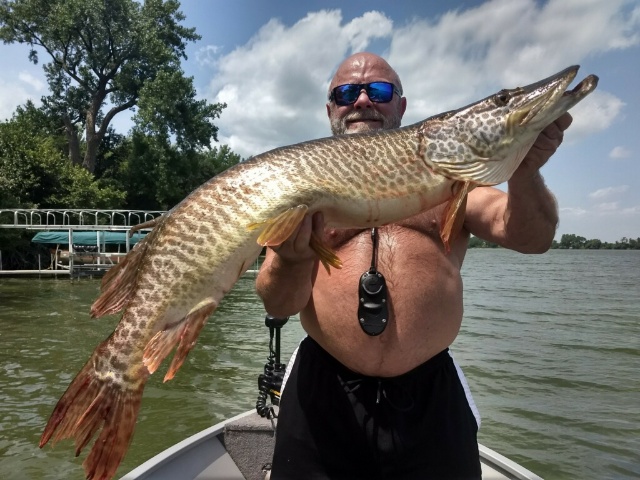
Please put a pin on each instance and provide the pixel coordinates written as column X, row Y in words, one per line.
column 80, row 241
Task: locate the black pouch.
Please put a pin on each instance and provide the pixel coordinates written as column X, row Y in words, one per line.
column 373, row 309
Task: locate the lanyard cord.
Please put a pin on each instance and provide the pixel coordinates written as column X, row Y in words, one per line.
column 374, row 250
column 373, row 311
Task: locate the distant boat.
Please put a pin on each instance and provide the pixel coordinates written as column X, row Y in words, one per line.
column 241, row 448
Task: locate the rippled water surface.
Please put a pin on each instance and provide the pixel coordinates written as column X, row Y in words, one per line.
column 550, row 345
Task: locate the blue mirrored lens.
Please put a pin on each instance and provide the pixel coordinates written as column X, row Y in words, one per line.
column 379, row 92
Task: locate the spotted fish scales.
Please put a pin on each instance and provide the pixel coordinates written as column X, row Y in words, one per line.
column 173, row 280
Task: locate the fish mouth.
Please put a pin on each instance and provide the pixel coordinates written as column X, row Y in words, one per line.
column 548, row 99
column 585, row 87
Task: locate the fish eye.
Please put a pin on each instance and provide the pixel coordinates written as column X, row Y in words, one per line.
column 502, row 98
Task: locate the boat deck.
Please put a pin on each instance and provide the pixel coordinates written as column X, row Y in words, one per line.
column 241, row 449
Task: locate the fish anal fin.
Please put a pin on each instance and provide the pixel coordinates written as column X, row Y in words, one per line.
column 277, row 229
column 453, row 214
column 183, row 334
column 326, row 254
column 90, row 405
column 118, row 283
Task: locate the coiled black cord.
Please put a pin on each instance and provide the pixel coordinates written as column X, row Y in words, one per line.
column 270, row 382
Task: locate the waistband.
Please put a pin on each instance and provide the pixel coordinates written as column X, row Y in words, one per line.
column 435, row 363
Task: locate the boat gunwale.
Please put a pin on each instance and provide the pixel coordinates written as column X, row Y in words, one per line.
column 488, row 457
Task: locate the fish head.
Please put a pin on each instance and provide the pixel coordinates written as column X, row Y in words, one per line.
column 485, row 142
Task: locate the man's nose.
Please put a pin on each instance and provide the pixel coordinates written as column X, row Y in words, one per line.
column 363, row 100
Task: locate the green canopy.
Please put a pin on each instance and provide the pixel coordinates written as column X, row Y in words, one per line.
column 87, row 238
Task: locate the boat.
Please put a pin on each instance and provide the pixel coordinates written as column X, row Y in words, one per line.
column 241, row 447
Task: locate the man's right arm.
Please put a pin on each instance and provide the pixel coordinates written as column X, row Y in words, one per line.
column 285, row 279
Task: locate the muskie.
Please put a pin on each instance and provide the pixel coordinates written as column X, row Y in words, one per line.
column 173, row 280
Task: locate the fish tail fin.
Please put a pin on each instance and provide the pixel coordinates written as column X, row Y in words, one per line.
column 276, row 230
column 183, row 334
column 91, row 405
column 453, row 215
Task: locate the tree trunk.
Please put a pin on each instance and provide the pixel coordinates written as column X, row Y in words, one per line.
column 73, row 141
column 93, row 137
column 93, row 142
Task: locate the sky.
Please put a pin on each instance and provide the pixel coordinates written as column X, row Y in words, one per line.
column 272, row 62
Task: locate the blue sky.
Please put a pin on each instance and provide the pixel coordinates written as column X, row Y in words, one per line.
column 271, row 62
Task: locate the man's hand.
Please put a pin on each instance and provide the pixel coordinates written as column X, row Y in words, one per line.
column 284, row 281
column 296, row 248
column 545, row 145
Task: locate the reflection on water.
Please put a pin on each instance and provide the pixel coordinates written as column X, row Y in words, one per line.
column 549, row 345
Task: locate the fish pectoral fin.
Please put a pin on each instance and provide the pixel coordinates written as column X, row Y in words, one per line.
column 325, row 253
column 184, row 333
column 277, row 229
column 93, row 404
column 454, row 212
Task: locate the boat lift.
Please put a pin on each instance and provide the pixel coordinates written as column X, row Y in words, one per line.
column 90, row 225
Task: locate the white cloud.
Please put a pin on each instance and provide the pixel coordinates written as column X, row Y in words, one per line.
column 14, row 93
column 276, row 84
column 467, row 55
column 35, row 83
column 608, row 192
column 635, row 210
column 207, row 56
column 596, row 113
column 606, row 207
column 573, row 211
column 619, row 152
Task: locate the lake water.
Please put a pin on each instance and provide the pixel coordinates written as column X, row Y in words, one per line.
column 550, row 345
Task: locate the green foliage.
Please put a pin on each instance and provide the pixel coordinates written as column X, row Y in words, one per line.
column 157, row 175
column 574, row 242
column 117, row 52
column 476, row 242
column 35, row 174
column 184, row 118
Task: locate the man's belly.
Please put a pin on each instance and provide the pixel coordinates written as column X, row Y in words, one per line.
column 425, row 313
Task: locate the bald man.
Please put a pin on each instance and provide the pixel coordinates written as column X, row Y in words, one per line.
column 389, row 401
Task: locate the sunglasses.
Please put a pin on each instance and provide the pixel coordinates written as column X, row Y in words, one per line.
column 378, row 92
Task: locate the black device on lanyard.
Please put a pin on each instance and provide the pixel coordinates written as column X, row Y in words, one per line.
column 373, row 309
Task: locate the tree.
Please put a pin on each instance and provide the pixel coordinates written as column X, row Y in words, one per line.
column 156, row 175
column 35, row 174
column 119, row 53
column 593, row 244
column 572, row 241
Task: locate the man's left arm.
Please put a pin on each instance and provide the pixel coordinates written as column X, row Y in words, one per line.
column 525, row 218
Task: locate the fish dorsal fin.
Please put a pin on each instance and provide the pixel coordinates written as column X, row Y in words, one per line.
column 454, row 212
column 118, row 284
column 274, row 231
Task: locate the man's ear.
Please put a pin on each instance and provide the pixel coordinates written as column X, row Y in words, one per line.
column 403, row 106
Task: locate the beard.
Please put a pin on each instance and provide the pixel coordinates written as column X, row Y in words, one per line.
column 339, row 125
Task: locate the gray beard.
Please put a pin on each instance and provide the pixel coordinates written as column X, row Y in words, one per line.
column 339, row 125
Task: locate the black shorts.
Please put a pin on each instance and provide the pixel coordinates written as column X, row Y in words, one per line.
column 336, row 424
